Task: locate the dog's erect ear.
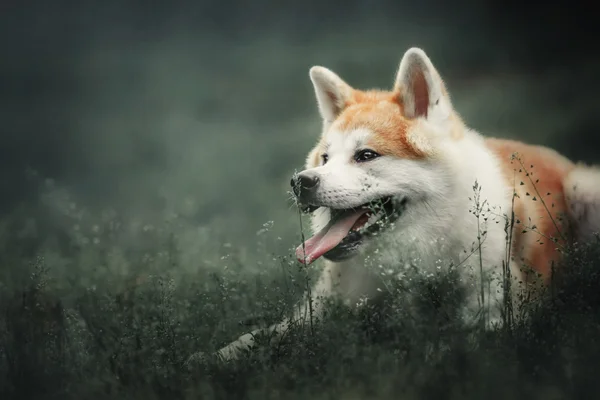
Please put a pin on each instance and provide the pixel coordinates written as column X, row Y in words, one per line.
column 421, row 88
column 331, row 91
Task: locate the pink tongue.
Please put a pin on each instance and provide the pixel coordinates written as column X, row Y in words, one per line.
column 328, row 237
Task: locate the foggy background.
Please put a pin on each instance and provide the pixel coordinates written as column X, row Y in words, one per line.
column 199, row 112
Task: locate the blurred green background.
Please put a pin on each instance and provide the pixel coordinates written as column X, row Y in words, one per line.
column 201, row 111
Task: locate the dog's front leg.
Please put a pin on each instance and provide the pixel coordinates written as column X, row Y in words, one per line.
column 308, row 311
column 484, row 301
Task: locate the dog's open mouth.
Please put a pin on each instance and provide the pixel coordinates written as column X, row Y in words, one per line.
column 347, row 228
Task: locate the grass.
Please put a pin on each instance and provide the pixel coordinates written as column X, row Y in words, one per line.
column 129, row 334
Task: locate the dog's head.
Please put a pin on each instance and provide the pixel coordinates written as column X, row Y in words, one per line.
column 378, row 160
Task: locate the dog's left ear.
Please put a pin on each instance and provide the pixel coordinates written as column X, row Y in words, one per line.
column 332, row 92
column 422, row 91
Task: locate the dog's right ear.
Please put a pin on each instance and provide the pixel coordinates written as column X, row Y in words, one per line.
column 331, row 91
column 422, row 91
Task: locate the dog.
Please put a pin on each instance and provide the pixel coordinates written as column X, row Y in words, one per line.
column 399, row 175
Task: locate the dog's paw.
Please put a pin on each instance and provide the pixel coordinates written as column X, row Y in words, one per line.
column 200, row 360
column 475, row 319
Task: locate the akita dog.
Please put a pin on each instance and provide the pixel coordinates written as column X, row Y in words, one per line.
column 397, row 174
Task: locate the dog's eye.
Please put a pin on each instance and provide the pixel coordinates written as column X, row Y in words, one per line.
column 325, row 158
column 365, row 155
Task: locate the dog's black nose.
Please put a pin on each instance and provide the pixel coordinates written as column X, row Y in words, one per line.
column 304, row 184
